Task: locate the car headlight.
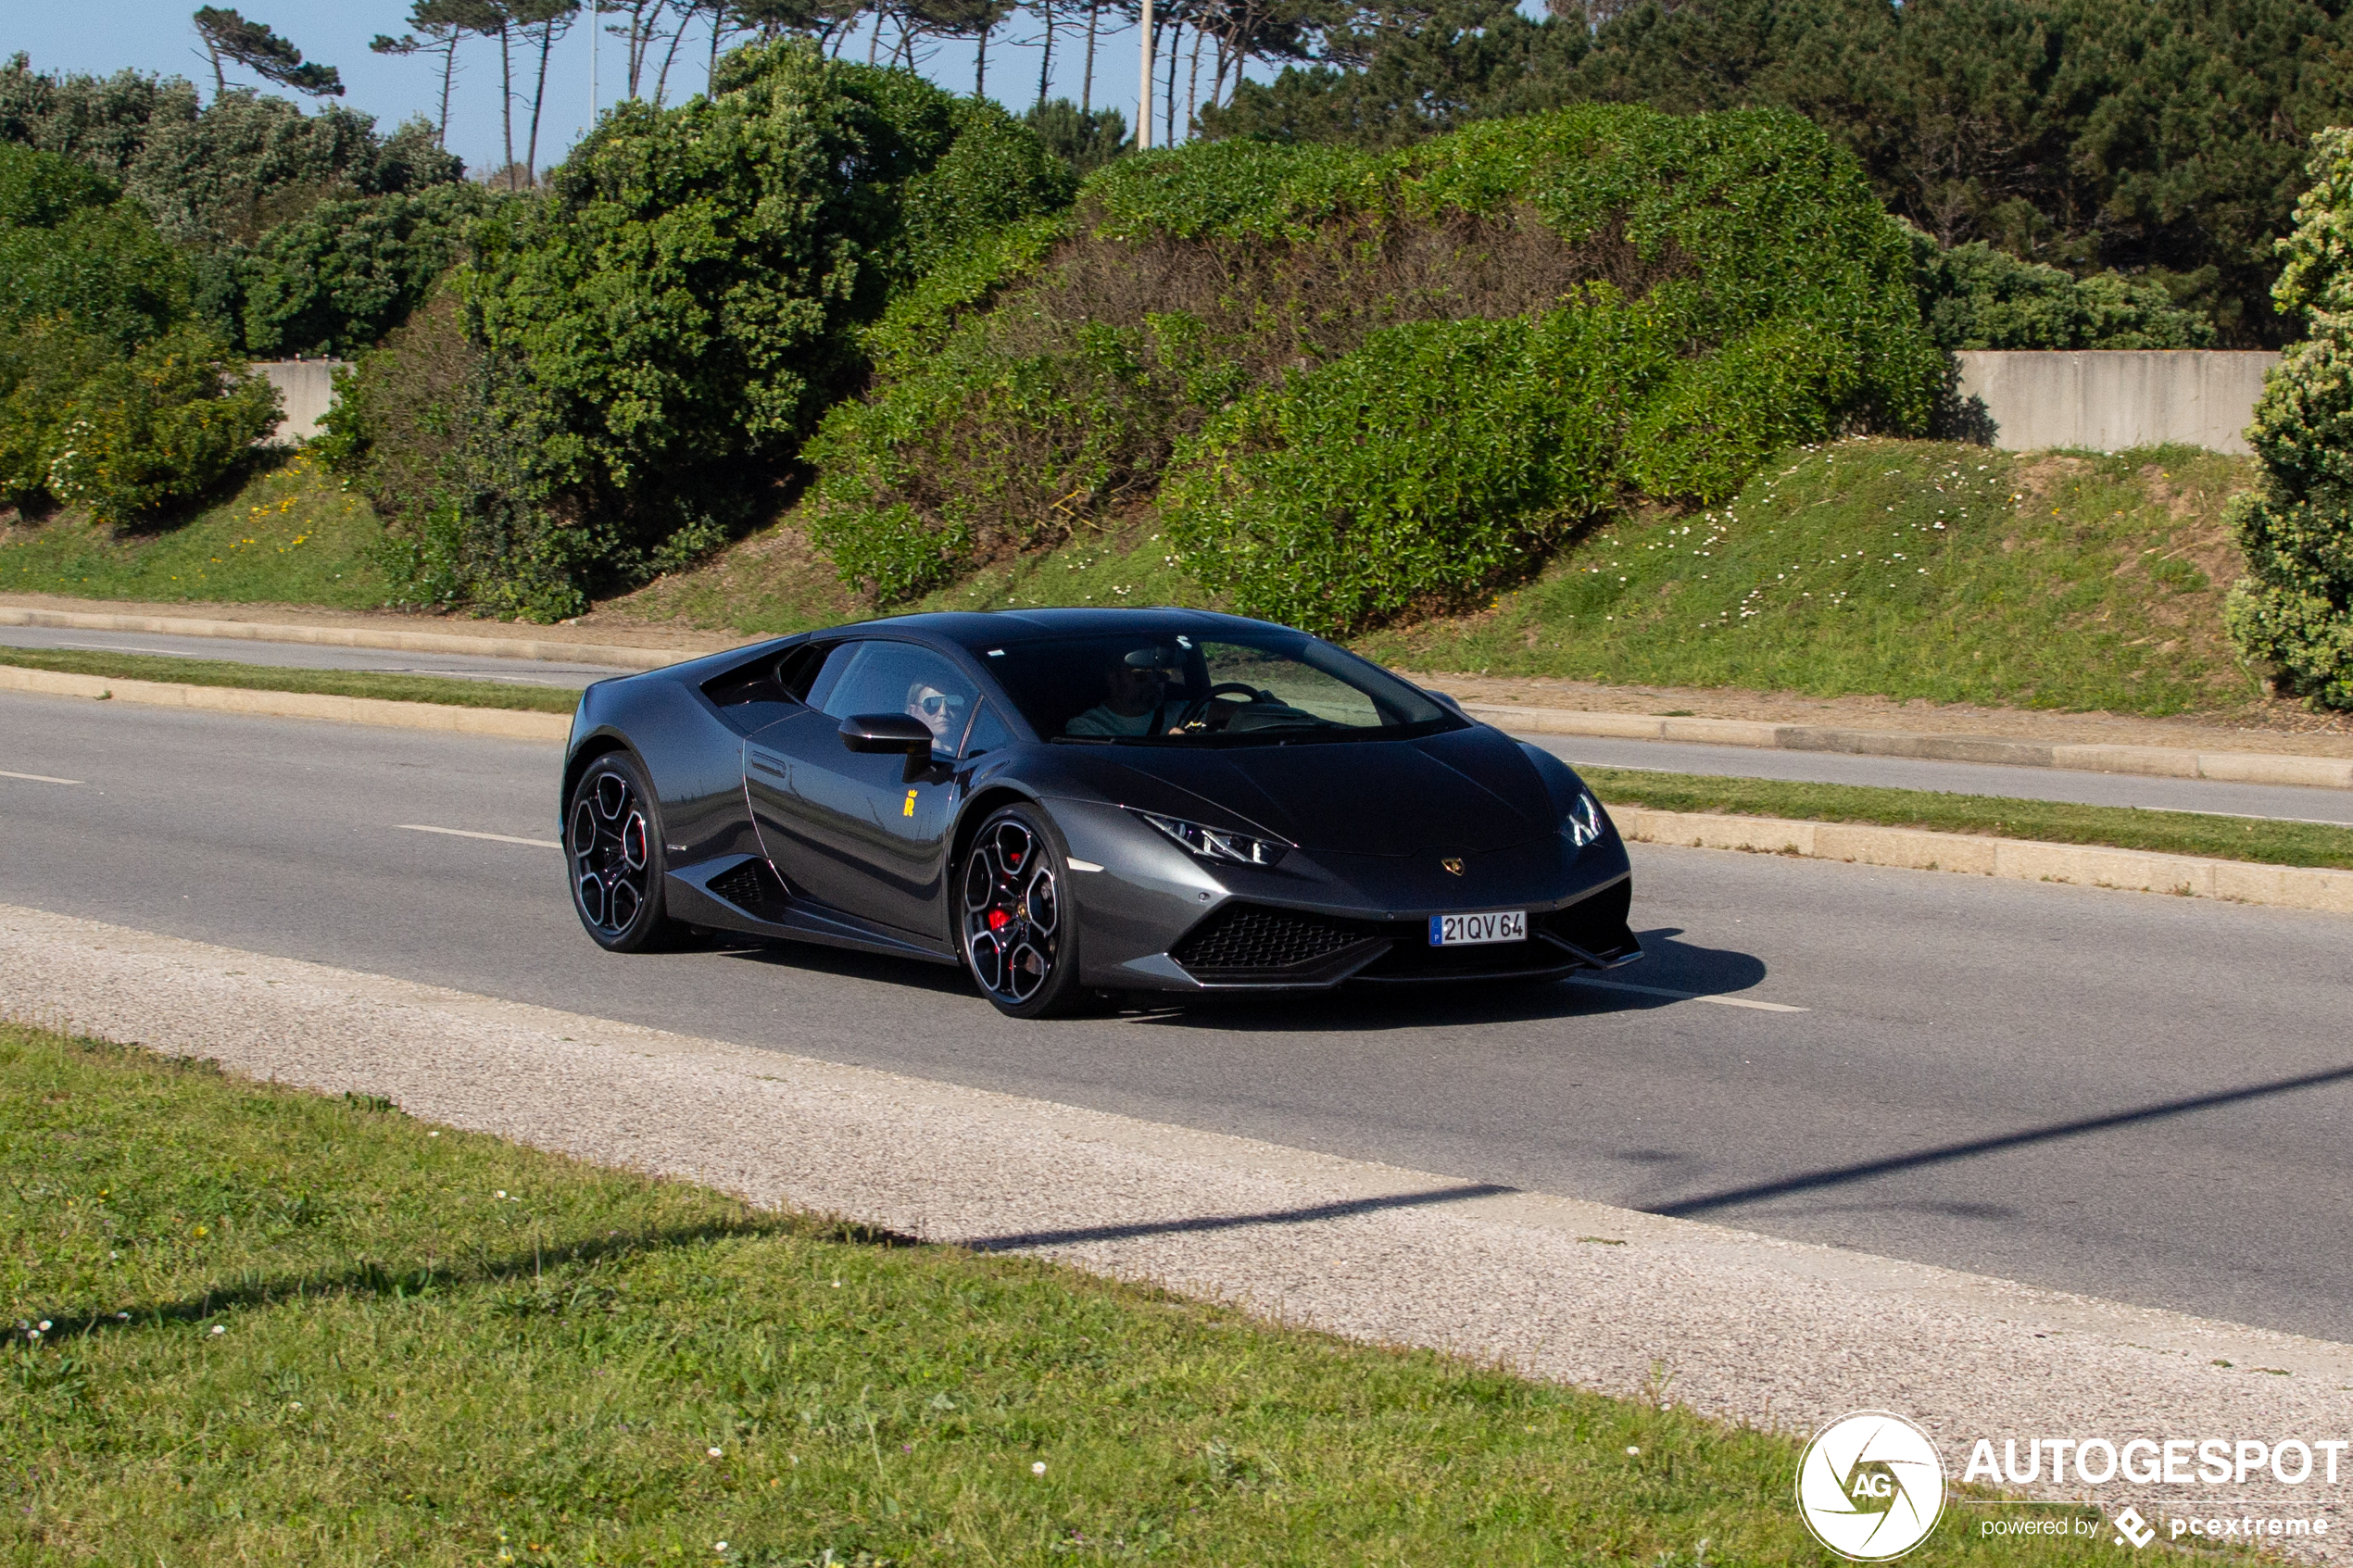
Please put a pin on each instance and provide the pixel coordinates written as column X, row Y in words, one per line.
column 1585, row 820
column 1218, row 843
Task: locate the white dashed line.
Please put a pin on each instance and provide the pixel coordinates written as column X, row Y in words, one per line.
column 1686, row 996
column 468, row 833
column 36, row 778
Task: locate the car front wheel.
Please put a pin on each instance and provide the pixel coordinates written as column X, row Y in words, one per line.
column 612, row 843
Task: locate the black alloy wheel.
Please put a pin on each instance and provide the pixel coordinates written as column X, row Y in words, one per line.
column 1019, row 933
column 612, row 842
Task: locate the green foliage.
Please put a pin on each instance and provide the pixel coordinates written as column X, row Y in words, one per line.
column 2296, row 607
column 68, row 249
column 1084, row 142
column 1975, row 297
column 218, row 174
column 107, row 398
column 159, row 428
column 334, row 281
column 1607, row 299
column 639, row 355
column 2163, row 141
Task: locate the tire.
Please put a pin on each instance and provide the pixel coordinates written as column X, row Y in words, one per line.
column 1016, row 925
column 613, row 845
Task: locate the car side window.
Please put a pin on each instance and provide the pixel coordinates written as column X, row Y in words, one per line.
column 890, row 677
column 988, row 731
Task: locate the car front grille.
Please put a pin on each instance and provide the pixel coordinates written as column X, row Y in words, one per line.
column 1251, row 940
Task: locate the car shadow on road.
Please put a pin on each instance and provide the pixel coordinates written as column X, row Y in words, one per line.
column 1670, row 973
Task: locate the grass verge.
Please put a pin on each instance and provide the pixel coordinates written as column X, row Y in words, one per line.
column 447, row 691
column 291, row 1328
column 1901, row 568
column 290, row 535
column 2258, row 839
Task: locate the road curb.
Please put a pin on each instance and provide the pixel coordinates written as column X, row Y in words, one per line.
column 549, row 650
column 2157, row 762
column 505, row 723
column 2139, row 871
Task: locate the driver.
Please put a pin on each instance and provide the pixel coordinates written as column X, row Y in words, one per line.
column 1132, row 698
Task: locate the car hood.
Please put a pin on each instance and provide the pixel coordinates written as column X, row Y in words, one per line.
column 1470, row 789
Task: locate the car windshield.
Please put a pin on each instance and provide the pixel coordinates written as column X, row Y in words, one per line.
column 1226, row 688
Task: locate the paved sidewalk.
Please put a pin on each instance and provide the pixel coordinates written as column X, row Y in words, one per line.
column 1731, row 1323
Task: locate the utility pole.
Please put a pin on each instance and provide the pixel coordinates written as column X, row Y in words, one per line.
column 1144, row 94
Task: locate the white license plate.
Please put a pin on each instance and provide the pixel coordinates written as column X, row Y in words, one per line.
column 1464, row 930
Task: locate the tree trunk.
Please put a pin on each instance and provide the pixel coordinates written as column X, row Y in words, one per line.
column 1175, row 43
column 1046, row 68
column 980, row 67
column 1192, row 86
column 538, row 96
column 662, row 83
column 1087, row 81
column 448, row 70
column 219, row 83
column 507, row 98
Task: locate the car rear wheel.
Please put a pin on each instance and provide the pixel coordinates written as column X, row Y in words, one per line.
column 1017, row 924
column 612, row 842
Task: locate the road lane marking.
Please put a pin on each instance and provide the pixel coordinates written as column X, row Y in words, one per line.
column 1685, row 996
column 468, row 833
column 36, row 778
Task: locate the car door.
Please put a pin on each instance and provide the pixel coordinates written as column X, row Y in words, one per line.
column 850, row 829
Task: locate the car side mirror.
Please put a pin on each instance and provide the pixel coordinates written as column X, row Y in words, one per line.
column 887, row 732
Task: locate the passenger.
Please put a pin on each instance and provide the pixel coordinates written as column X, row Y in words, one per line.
column 1135, row 700
column 942, row 712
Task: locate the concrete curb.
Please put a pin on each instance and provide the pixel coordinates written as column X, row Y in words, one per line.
column 2157, row 762
column 617, row 656
column 2140, row 871
column 505, row 723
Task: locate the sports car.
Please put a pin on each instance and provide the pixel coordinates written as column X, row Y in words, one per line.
column 1076, row 804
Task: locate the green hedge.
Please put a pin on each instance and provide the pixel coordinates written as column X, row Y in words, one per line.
column 1380, row 381
column 2295, row 610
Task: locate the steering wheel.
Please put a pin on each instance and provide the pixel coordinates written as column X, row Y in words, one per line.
column 1196, row 708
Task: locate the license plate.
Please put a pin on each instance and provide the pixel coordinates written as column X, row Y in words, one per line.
column 1464, row 930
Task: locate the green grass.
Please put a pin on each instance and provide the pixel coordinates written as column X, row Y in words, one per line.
column 445, row 690
column 290, row 535
column 2120, row 827
column 1901, row 568
column 287, row 1328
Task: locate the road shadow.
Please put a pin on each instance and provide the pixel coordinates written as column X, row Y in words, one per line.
column 1833, row 1176
column 1309, row 1215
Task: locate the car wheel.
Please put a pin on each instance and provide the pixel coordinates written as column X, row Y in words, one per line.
column 612, row 842
column 1018, row 929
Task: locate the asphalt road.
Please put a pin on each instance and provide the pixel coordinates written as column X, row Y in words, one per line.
column 2139, row 1097
column 303, row 655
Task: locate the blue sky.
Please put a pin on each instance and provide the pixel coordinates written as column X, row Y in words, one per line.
column 103, row 36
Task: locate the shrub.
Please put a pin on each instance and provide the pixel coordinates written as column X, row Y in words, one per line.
column 69, row 247
column 646, row 347
column 1379, row 382
column 1975, row 297
column 159, row 428
column 336, row 279
column 2294, row 608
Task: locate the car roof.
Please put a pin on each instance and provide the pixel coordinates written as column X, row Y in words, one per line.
column 1003, row 628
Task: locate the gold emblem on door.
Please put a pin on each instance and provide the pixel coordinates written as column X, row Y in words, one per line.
column 1453, row 864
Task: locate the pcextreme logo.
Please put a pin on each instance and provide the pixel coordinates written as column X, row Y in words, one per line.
column 1870, row 1486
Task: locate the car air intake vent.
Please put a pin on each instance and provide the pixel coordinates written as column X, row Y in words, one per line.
column 752, row 886
column 1245, row 937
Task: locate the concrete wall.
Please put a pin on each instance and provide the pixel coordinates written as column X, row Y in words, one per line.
column 307, row 386
column 2110, row 399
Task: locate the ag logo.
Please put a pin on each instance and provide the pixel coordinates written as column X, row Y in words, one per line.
column 1870, row 1486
